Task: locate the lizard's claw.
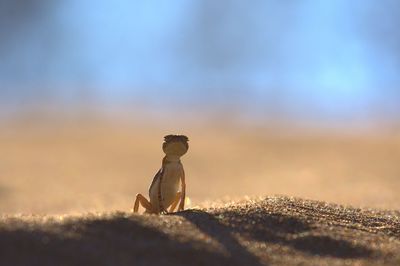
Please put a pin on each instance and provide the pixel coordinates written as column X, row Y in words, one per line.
column 164, row 212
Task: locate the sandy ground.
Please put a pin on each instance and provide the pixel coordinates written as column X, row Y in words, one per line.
column 263, row 231
column 69, row 166
column 67, row 187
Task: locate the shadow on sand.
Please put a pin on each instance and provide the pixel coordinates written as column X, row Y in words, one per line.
column 267, row 228
column 209, row 225
column 115, row 241
column 122, row 240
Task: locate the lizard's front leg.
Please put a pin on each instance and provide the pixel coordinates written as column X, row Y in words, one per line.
column 161, row 208
column 175, row 202
column 183, row 191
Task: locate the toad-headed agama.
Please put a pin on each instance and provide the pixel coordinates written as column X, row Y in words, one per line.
column 164, row 190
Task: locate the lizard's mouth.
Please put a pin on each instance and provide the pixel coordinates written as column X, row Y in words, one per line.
column 175, row 148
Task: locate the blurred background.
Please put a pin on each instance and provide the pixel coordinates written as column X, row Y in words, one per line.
column 277, row 97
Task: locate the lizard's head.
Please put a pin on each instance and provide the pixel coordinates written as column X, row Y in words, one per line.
column 176, row 145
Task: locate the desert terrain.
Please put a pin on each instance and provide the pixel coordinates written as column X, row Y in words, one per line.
column 67, row 187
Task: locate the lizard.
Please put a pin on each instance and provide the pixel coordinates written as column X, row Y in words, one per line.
column 164, row 189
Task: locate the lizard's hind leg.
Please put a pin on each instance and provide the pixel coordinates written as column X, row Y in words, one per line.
column 176, row 201
column 144, row 202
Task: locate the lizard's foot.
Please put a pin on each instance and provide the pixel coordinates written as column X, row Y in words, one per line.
column 164, row 212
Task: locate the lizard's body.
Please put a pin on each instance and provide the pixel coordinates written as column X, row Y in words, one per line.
column 170, row 175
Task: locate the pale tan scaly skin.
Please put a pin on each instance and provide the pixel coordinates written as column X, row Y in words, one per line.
column 164, row 190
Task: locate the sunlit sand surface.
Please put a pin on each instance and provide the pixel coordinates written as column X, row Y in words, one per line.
column 256, row 231
column 70, row 166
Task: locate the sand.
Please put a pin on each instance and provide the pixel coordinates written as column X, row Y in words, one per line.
column 72, row 166
column 67, row 187
column 263, row 231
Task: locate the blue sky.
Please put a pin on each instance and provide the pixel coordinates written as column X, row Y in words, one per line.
column 308, row 56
